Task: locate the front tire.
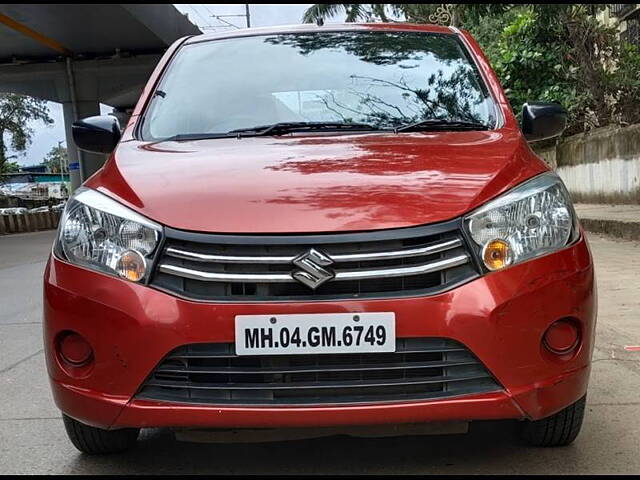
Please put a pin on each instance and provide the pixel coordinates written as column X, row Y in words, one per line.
column 557, row 430
column 95, row 441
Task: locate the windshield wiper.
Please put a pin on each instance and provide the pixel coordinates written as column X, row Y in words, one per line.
column 275, row 129
column 289, row 127
column 195, row 136
column 441, row 124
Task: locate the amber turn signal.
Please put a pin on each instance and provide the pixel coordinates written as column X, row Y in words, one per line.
column 131, row 266
column 497, row 254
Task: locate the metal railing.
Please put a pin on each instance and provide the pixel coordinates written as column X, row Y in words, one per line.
column 29, row 222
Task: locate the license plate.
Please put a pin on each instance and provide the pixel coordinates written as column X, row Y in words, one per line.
column 315, row 333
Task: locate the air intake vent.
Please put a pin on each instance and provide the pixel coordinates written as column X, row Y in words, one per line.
column 420, row 369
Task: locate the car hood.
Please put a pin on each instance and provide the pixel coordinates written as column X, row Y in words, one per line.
column 292, row 184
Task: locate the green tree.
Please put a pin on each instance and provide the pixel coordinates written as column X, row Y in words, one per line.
column 10, row 167
column 562, row 53
column 56, row 159
column 627, row 77
column 453, row 14
column 16, row 113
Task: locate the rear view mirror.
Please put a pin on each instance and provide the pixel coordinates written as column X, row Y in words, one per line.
column 99, row 134
column 542, row 120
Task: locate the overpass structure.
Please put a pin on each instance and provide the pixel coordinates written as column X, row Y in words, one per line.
column 84, row 55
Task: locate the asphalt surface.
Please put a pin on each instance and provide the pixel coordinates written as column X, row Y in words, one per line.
column 32, row 438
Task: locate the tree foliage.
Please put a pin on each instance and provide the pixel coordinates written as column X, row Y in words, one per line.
column 412, row 12
column 16, row 113
column 397, row 47
column 56, row 159
column 453, row 94
column 9, row 167
column 548, row 52
column 563, row 53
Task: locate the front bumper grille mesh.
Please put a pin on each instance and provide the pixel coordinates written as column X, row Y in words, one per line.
column 419, row 369
column 402, row 262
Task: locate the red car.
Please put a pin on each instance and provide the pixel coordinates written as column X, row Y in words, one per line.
column 335, row 227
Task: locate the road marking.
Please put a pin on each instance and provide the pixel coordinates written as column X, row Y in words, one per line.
column 20, row 419
column 13, row 365
column 20, row 323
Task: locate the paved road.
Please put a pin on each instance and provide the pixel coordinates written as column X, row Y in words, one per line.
column 32, row 438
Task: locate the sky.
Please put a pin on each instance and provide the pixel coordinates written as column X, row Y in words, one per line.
column 262, row 15
column 203, row 15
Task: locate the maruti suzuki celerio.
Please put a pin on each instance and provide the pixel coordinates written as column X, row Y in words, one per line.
column 311, row 227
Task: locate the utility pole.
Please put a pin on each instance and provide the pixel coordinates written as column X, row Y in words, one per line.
column 246, row 14
column 61, row 164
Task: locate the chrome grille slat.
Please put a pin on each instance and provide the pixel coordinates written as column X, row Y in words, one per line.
column 408, row 253
column 403, row 271
column 203, row 257
column 339, row 275
column 226, row 277
column 352, row 257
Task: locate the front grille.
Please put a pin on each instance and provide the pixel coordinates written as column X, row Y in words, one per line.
column 402, row 262
column 419, row 369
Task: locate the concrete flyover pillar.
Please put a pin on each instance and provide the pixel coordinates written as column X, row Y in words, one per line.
column 81, row 164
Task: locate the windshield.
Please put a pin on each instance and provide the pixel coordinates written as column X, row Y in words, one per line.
column 381, row 79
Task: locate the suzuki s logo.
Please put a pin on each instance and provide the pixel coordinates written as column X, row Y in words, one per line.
column 311, row 272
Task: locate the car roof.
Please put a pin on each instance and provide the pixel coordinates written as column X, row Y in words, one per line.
column 328, row 27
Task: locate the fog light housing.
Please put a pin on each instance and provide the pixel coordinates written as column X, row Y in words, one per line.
column 75, row 350
column 561, row 337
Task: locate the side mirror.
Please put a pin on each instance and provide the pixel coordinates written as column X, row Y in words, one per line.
column 99, row 134
column 542, row 120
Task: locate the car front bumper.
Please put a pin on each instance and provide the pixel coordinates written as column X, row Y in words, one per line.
column 501, row 317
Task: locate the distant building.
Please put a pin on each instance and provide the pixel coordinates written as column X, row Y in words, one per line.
column 34, row 169
column 32, row 176
column 627, row 18
column 32, row 189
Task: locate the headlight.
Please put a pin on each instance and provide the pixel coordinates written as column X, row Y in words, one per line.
column 101, row 234
column 533, row 219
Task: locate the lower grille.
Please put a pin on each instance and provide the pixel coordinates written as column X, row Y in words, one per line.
column 419, row 369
